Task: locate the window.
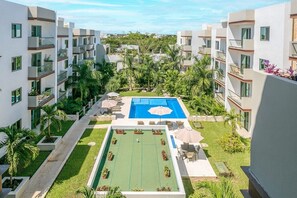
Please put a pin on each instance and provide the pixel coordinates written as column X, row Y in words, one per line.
column 189, row 42
column 264, row 33
column 74, row 42
column 94, row 40
column 16, row 63
column 245, row 62
column 245, row 120
column 246, row 89
column 66, row 43
column 246, row 33
column 208, row 43
column 94, row 52
column 16, row 96
column 216, row 65
column 66, row 64
column 217, row 45
column 36, row 60
column 181, row 41
column 261, row 64
column 36, row 31
column 16, row 30
column 17, row 124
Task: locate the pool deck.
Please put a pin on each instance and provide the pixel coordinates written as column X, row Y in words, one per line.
column 201, row 168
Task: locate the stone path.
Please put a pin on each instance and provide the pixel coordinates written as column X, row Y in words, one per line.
column 41, row 182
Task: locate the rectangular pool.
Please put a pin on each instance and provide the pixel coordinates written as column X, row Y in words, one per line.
column 140, row 106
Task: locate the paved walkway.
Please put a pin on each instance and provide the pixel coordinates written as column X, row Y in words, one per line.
column 41, row 182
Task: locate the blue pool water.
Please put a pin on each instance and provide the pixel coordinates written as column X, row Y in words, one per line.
column 172, row 141
column 140, row 106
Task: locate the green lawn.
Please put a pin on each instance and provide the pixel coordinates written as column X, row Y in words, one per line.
column 137, row 93
column 212, row 132
column 76, row 171
column 65, row 127
column 99, row 122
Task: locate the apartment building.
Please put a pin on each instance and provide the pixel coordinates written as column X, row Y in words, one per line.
column 36, row 56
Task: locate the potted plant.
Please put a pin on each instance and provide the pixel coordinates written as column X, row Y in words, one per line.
column 138, row 131
column 164, row 189
column 164, row 155
column 103, row 188
column 110, row 156
column 105, row 173
column 166, row 171
column 114, row 140
column 48, row 59
column 20, row 151
column 49, row 120
column 162, row 141
column 87, row 192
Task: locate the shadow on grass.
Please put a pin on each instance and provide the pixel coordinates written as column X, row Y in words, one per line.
column 188, row 186
column 206, row 153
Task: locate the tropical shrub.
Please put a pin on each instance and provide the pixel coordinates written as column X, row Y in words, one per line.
column 70, row 106
column 206, row 105
column 232, row 143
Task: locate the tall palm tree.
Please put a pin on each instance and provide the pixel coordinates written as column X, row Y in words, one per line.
column 175, row 56
column 107, row 71
column 129, row 71
column 20, row 148
column 222, row 189
column 51, row 117
column 233, row 119
column 87, row 192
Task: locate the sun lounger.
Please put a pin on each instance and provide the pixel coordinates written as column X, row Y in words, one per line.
column 222, row 168
column 198, row 125
column 152, row 123
column 180, row 124
column 140, row 122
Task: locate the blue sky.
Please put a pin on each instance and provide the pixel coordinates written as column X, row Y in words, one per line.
column 154, row 16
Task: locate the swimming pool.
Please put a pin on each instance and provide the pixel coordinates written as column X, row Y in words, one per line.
column 140, row 106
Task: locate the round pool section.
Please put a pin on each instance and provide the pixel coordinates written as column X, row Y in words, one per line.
column 140, row 106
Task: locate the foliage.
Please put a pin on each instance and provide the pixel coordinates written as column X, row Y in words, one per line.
column 232, row 143
column 87, row 192
column 114, row 192
column 51, row 118
column 206, row 105
column 113, row 84
column 220, row 189
column 70, row 106
column 20, row 148
column 233, row 119
column 107, row 71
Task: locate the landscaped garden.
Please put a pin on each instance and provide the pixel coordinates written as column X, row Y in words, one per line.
column 78, row 167
column 137, row 93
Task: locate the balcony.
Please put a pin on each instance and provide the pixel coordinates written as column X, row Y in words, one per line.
column 38, row 72
column 91, row 32
column 61, row 95
column 62, row 54
column 89, row 47
column 63, row 32
column 186, row 48
column 41, row 14
column 79, row 32
column 220, row 96
column 219, row 78
column 246, row 45
column 293, row 50
column 79, row 50
column 241, row 73
column 293, row 8
column 205, row 34
column 221, row 56
column 242, row 17
column 204, row 50
column 62, row 77
column 244, row 103
column 38, row 100
column 221, row 33
column 186, row 33
column 38, row 43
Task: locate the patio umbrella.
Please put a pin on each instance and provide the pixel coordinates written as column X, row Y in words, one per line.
column 160, row 111
column 108, row 104
column 188, row 135
column 113, row 94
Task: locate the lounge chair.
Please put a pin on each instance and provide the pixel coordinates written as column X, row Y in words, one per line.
column 198, row 125
column 152, row 123
column 169, row 125
column 140, row 122
column 180, row 124
column 182, row 154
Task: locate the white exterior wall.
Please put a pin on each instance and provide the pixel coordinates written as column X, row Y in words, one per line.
column 9, row 81
column 276, row 50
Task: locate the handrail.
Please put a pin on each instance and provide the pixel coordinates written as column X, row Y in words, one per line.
column 234, row 96
column 236, row 43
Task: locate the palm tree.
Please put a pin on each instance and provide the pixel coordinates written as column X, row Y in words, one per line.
column 233, row 119
column 51, row 116
column 222, row 189
column 129, row 71
column 87, row 192
column 175, row 57
column 107, row 71
column 114, row 192
column 20, row 148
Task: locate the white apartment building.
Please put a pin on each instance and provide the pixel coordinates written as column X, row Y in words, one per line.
column 36, row 54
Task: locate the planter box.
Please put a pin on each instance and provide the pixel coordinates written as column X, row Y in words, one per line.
column 17, row 193
column 49, row 146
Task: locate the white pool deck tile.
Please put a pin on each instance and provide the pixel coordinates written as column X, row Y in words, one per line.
column 201, row 168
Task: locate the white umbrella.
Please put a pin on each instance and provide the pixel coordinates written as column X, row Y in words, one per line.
column 188, row 135
column 113, row 94
column 160, row 111
column 108, row 104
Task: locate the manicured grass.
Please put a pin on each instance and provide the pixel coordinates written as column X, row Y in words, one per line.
column 65, row 127
column 75, row 174
column 99, row 122
column 212, row 132
column 137, row 93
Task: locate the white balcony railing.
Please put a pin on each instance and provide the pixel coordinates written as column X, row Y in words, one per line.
column 39, row 71
column 244, row 44
column 242, row 72
column 37, row 100
column 41, row 42
column 221, row 56
column 62, row 76
column 204, row 50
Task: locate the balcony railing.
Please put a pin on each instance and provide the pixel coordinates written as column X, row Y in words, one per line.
column 221, row 56
column 79, row 50
column 187, row 48
column 244, row 102
column 219, row 77
column 204, row 50
column 62, row 76
column 89, row 47
column 37, row 100
column 41, row 42
column 235, row 97
column 40, row 71
column 244, row 44
column 62, row 95
column 62, row 54
column 220, row 96
column 241, row 72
